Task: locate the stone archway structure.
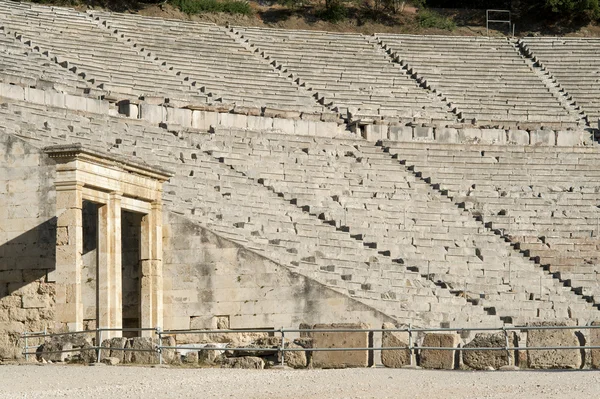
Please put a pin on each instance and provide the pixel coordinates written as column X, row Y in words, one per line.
column 114, row 183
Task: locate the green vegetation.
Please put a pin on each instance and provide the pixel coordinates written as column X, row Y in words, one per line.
column 431, row 19
column 334, row 11
column 202, row 6
column 588, row 9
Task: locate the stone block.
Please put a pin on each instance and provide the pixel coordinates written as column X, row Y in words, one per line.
column 553, row 358
column 191, row 357
column 170, row 356
column 111, row 361
column 144, row 353
column 423, row 133
column 493, row 136
column 74, row 102
column 340, row 359
column 483, row 360
column 446, row 135
column 297, row 358
column 237, row 121
column 281, row 114
column 400, row 133
column 113, row 346
column 179, row 116
column 211, row 356
column 248, row 362
column 519, row 137
column 12, row 92
column 304, row 128
column 35, row 96
column 154, row 114
column 571, row 138
column 36, row 301
column 284, row 125
column 394, row 358
column 542, row 137
column 469, row 135
column 375, row 133
column 260, row 123
column 203, row 120
column 594, row 340
column 439, row 359
column 101, row 107
column 54, row 99
column 328, row 129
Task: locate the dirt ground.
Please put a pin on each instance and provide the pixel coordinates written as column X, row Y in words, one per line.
column 71, row 381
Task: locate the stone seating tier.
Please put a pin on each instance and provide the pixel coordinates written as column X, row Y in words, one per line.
column 234, row 205
column 545, row 197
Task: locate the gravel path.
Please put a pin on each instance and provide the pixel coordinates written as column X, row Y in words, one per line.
column 60, row 381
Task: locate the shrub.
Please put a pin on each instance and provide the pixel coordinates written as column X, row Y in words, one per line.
column 202, row 6
column 334, row 11
column 432, row 19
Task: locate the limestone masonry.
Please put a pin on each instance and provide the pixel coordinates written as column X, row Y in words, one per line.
column 184, row 175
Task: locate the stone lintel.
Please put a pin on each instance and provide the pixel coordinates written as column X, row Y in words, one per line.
column 68, row 152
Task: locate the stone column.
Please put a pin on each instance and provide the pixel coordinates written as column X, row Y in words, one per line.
column 151, row 267
column 69, row 249
column 110, row 301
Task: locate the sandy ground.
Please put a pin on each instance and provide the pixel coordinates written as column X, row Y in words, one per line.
column 59, row 381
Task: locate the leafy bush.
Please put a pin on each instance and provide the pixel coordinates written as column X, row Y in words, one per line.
column 588, row 8
column 202, row 6
column 432, row 19
column 334, row 11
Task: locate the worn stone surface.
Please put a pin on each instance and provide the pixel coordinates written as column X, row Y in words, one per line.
column 191, row 358
column 248, row 362
column 394, row 358
column 340, row 359
column 295, row 359
column 114, row 344
column 211, row 356
column 170, row 356
column 482, row 360
column 439, row 359
column 111, row 361
column 593, row 339
column 145, row 352
column 554, row 358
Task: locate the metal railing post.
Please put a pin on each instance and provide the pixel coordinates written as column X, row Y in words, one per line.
column 159, row 347
column 282, row 346
column 410, row 344
column 98, row 344
column 26, row 349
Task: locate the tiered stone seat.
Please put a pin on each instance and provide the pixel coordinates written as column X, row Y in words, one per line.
column 358, row 187
column 21, row 66
column 211, row 59
column 544, row 199
column 74, row 41
column 575, row 63
column 347, row 71
column 484, row 78
column 237, row 207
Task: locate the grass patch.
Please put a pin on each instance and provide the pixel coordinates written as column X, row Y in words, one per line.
column 431, row 19
column 206, row 6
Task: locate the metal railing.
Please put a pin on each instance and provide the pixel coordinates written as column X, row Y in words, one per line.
column 412, row 347
column 498, row 21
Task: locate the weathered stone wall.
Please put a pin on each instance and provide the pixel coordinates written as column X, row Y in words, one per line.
column 211, row 282
column 27, row 242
